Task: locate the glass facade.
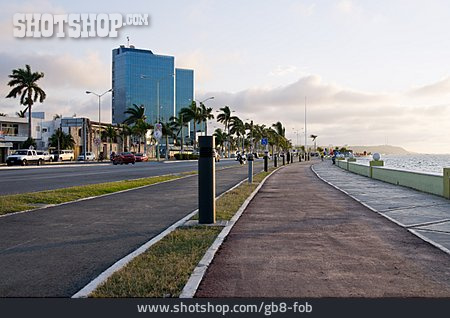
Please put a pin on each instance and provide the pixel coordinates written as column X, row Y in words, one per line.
column 184, row 92
column 128, row 66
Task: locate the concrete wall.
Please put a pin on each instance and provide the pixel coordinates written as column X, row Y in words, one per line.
column 425, row 182
column 359, row 169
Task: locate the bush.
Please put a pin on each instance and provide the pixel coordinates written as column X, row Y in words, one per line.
column 29, row 142
column 185, row 156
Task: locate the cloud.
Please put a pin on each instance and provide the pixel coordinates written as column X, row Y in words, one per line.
column 303, row 9
column 348, row 7
column 343, row 116
column 441, row 87
column 282, row 70
column 88, row 71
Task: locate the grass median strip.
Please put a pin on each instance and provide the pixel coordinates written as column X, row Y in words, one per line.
column 164, row 269
column 26, row 201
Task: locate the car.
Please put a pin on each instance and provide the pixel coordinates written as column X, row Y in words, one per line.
column 24, row 157
column 63, row 155
column 89, row 156
column 141, row 157
column 45, row 155
column 124, row 158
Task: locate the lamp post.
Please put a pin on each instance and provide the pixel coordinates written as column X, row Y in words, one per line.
column 158, row 106
column 99, row 117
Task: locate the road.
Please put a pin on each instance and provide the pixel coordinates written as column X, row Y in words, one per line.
column 54, row 252
column 19, row 180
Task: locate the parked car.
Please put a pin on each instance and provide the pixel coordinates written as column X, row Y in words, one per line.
column 63, row 155
column 124, row 158
column 89, row 156
column 45, row 155
column 141, row 157
column 24, row 157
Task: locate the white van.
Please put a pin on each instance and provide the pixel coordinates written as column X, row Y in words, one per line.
column 63, row 155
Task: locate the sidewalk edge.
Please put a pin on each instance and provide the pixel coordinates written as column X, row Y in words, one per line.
column 197, row 275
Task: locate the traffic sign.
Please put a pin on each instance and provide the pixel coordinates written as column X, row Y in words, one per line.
column 157, row 134
column 264, row 141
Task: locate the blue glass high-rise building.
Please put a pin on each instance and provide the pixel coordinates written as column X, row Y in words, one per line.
column 136, row 74
column 184, row 87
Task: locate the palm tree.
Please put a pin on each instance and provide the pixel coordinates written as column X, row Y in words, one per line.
column 221, row 137
column 206, row 115
column 313, row 137
column 2, row 115
column 167, row 131
column 224, row 117
column 237, row 127
column 177, row 125
column 194, row 113
column 110, row 133
column 125, row 132
column 24, row 83
column 140, row 129
column 61, row 140
column 21, row 113
column 136, row 113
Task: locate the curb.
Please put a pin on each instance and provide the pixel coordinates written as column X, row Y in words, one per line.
column 197, row 275
column 90, row 287
column 411, row 230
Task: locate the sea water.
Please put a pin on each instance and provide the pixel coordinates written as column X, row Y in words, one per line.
column 413, row 162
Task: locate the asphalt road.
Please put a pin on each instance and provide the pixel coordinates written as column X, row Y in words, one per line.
column 55, row 252
column 20, row 180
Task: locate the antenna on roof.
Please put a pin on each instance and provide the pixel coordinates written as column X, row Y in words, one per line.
column 128, row 41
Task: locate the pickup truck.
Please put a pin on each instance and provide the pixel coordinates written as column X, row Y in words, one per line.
column 24, row 157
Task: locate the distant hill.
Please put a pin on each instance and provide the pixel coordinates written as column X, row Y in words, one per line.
column 385, row 149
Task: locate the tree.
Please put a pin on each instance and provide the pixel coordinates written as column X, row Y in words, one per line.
column 140, row 129
column 237, row 127
column 221, row 137
column 167, row 131
column 194, row 113
column 61, row 140
column 21, row 113
column 225, row 117
column 206, row 114
column 29, row 142
column 135, row 114
column 24, row 83
column 2, row 115
column 177, row 125
column 314, row 137
column 109, row 134
column 125, row 132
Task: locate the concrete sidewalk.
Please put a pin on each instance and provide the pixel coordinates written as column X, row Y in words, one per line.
column 300, row 237
column 426, row 215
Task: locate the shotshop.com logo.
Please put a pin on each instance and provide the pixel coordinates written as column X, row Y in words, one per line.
column 74, row 25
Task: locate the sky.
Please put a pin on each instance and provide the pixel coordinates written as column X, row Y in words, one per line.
column 372, row 72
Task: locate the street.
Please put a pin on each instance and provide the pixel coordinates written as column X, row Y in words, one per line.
column 54, row 252
column 19, row 180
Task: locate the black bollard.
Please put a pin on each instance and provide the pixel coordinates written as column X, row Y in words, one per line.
column 288, row 157
column 266, row 161
column 206, row 181
column 299, row 158
column 275, row 160
column 284, row 156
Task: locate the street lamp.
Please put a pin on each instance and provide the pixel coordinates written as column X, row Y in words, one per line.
column 99, row 113
column 157, row 105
